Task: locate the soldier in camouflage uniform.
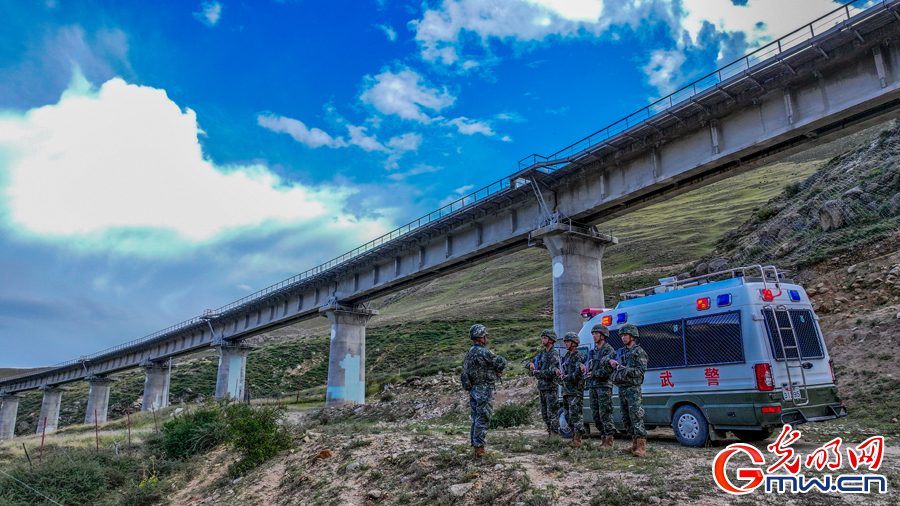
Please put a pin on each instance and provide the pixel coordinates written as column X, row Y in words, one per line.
column 543, row 367
column 572, row 376
column 481, row 370
column 630, row 365
column 599, row 384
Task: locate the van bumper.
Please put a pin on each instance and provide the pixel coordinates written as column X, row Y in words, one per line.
column 825, row 405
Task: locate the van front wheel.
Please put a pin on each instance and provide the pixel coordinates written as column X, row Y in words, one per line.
column 690, row 426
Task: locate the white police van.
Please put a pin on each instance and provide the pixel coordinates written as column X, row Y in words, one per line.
column 743, row 354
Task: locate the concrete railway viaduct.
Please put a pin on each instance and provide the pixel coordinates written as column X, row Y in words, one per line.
column 834, row 76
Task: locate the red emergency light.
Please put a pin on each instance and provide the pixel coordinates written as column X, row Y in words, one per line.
column 606, row 320
column 767, row 294
column 590, row 312
column 703, row 303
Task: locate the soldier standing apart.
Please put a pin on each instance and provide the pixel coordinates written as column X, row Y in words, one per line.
column 572, row 376
column 481, row 368
column 543, row 367
column 599, row 384
column 630, row 365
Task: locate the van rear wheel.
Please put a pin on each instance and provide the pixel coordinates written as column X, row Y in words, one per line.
column 749, row 436
column 690, row 426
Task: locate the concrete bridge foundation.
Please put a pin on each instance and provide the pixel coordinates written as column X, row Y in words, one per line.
column 232, row 370
column 347, row 358
column 156, row 385
column 49, row 419
column 577, row 273
column 8, row 412
column 98, row 399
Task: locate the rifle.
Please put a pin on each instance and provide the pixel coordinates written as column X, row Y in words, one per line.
column 590, row 359
column 562, row 372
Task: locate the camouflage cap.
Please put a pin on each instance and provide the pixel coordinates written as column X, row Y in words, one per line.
column 477, row 330
column 629, row 329
column 549, row 333
column 603, row 329
column 572, row 336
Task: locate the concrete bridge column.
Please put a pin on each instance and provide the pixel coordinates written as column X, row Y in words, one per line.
column 50, row 408
column 232, row 370
column 577, row 274
column 156, row 385
column 347, row 358
column 98, row 398
column 8, row 412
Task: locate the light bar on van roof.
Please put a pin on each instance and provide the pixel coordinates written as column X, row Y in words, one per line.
column 702, row 303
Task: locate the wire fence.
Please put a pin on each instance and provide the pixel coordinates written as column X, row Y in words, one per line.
column 851, row 203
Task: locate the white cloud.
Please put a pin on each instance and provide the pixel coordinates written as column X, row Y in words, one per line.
column 120, row 169
column 406, row 142
column 313, row 138
column 359, row 138
column 506, row 138
column 468, row 126
column 415, row 171
column 405, row 94
column 663, row 68
column 388, row 31
column 210, row 13
column 438, row 32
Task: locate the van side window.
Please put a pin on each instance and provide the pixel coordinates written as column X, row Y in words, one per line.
column 810, row 342
column 714, row 339
column 707, row 340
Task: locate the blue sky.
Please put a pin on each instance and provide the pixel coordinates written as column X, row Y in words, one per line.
column 160, row 159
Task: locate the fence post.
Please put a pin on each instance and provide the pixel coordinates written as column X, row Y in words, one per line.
column 43, row 434
column 96, row 431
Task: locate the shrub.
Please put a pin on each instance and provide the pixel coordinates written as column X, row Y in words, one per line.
column 191, row 433
column 510, row 415
column 71, row 476
column 255, row 433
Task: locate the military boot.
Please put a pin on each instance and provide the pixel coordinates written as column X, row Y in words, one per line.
column 607, row 442
column 633, row 447
column 479, row 452
column 576, row 440
column 641, row 450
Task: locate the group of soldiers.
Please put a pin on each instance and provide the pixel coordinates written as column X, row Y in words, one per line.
column 597, row 371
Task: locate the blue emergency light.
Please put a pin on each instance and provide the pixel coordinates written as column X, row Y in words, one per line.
column 621, row 318
column 723, row 300
column 794, row 295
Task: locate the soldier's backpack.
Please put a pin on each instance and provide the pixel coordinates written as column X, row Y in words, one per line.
column 466, row 381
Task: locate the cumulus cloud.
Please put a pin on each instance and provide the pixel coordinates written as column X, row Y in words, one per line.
column 405, row 94
column 120, row 169
column 707, row 32
column 468, row 126
column 209, row 14
column 388, row 31
column 314, row 138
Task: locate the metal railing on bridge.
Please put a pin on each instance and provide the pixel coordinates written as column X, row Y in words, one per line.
column 789, row 42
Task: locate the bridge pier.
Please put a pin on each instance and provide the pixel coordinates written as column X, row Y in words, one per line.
column 347, row 357
column 50, row 408
column 232, row 370
column 98, row 399
column 8, row 412
column 577, row 274
column 156, row 385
